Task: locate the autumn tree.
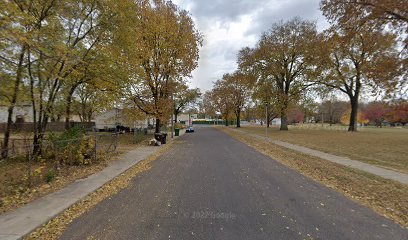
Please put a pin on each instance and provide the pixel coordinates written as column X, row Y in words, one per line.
column 89, row 100
column 363, row 61
column 398, row 113
column 238, row 87
column 221, row 100
column 159, row 46
column 376, row 112
column 19, row 21
column 309, row 106
column 331, row 110
column 360, row 119
column 296, row 115
column 183, row 98
column 391, row 15
column 59, row 53
column 286, row 55
column 49, row 48
column 208, row 105
column 264, row 93
column 266, row 100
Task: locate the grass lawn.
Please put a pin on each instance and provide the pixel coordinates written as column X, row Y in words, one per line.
column 386, row 147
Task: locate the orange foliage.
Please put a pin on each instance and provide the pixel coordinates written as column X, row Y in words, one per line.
column 361, row 118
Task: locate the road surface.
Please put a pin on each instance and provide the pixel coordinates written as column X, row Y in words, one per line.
column 211, row 186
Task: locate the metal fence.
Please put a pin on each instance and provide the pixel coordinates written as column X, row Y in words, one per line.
column 43, row 162
column 51, row 126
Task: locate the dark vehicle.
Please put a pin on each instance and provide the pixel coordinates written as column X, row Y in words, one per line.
column 189, row 129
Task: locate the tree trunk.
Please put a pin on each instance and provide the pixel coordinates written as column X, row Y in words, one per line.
column 284, row 120
column 238, row 114
column 68, row 110
column 284, row 123
column 175, row 116
column 353, row 114
column 157, row 130
column 226, row 122
column 4, row 152
column 268, row 120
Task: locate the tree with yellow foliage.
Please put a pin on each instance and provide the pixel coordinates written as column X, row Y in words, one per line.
column 360, row 60
column 159, row 46
column 361, row 119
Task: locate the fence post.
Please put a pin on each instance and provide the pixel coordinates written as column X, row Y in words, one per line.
column 14, row 147
column 134, row 135
column 95, row 147
column 29, row 156
column 115, row 144
column 56, row 163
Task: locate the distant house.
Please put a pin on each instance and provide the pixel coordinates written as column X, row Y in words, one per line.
column 22, row 113
column 184, row 118
column 109, row 120
column 276, row 121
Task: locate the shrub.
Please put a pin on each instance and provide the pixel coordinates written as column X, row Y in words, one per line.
column 78, row 151
column 50, row 175
column 73, row 147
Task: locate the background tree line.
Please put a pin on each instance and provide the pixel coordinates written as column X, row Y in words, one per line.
column 85, row 56
column 362, row 53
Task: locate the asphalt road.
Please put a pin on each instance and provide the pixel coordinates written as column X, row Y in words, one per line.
column 211, row 186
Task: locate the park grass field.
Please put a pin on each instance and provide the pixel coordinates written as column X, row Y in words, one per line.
column 385, row 147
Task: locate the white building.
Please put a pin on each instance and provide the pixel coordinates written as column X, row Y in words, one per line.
column 109, row 119
column 185, row 118
column 276, row 121
column 21, row 113
column 112, row 118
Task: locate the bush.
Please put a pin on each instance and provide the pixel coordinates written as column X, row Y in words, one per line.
column 73, row 147
column 50, row 175
column 78, row 152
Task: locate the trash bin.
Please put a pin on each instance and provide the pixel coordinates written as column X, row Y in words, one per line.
column 158, row 137
column 163, row 138
column 177, row 132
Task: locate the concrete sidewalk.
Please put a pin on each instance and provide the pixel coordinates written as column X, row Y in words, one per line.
column 379, row 171
column 16, row 224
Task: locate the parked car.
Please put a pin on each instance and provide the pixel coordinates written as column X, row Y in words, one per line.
column 189, row 129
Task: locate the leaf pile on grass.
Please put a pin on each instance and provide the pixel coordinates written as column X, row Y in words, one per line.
column 23, row 194
column 55, row 227
column 386, row 197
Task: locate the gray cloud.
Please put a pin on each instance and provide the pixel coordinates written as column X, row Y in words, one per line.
column 224, row 10
column 286, row 10
column 218, row 56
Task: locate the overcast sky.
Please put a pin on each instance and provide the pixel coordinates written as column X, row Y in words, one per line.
column 229, row 25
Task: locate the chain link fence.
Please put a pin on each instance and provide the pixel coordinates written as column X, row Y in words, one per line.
column 28, row 165
column 62, row 155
